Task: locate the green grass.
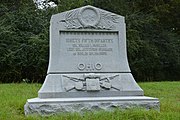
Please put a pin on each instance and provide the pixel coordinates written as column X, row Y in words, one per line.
column 14, row 96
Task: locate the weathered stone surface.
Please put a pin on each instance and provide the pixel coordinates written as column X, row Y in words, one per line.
column 81, row 105
column 64, row 85
column 88, row 67
column 88, row 56
column 84, row 45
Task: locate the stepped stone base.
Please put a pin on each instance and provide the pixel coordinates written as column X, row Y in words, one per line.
column 61, row 105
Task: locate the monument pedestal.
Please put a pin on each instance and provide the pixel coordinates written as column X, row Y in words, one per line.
column 52, row 106
column 88, row 67
column 89, row 85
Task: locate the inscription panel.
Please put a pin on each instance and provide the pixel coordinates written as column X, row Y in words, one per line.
column 89, row 51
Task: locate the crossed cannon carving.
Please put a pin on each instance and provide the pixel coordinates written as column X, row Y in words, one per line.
column 91, row 82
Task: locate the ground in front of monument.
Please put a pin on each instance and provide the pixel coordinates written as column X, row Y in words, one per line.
column 88, row 67
column 14, row 96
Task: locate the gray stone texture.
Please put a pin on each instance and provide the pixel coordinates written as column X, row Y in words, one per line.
column 88, row 67
column 86, row 44
column 120, row 84
column 81, row 105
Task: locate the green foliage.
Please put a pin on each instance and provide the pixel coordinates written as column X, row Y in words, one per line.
column 23, row 44
column 14, row 96
column 152, row 37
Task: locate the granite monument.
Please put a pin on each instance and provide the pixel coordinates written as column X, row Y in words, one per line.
column 88, row 66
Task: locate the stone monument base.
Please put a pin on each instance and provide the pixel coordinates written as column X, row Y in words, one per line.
column 52, row 106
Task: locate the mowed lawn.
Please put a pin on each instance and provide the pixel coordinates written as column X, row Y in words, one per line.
column 14, row 96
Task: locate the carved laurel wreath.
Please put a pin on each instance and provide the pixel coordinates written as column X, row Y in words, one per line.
column 107, row 20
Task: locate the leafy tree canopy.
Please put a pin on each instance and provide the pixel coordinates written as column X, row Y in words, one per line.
column 152, row 37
